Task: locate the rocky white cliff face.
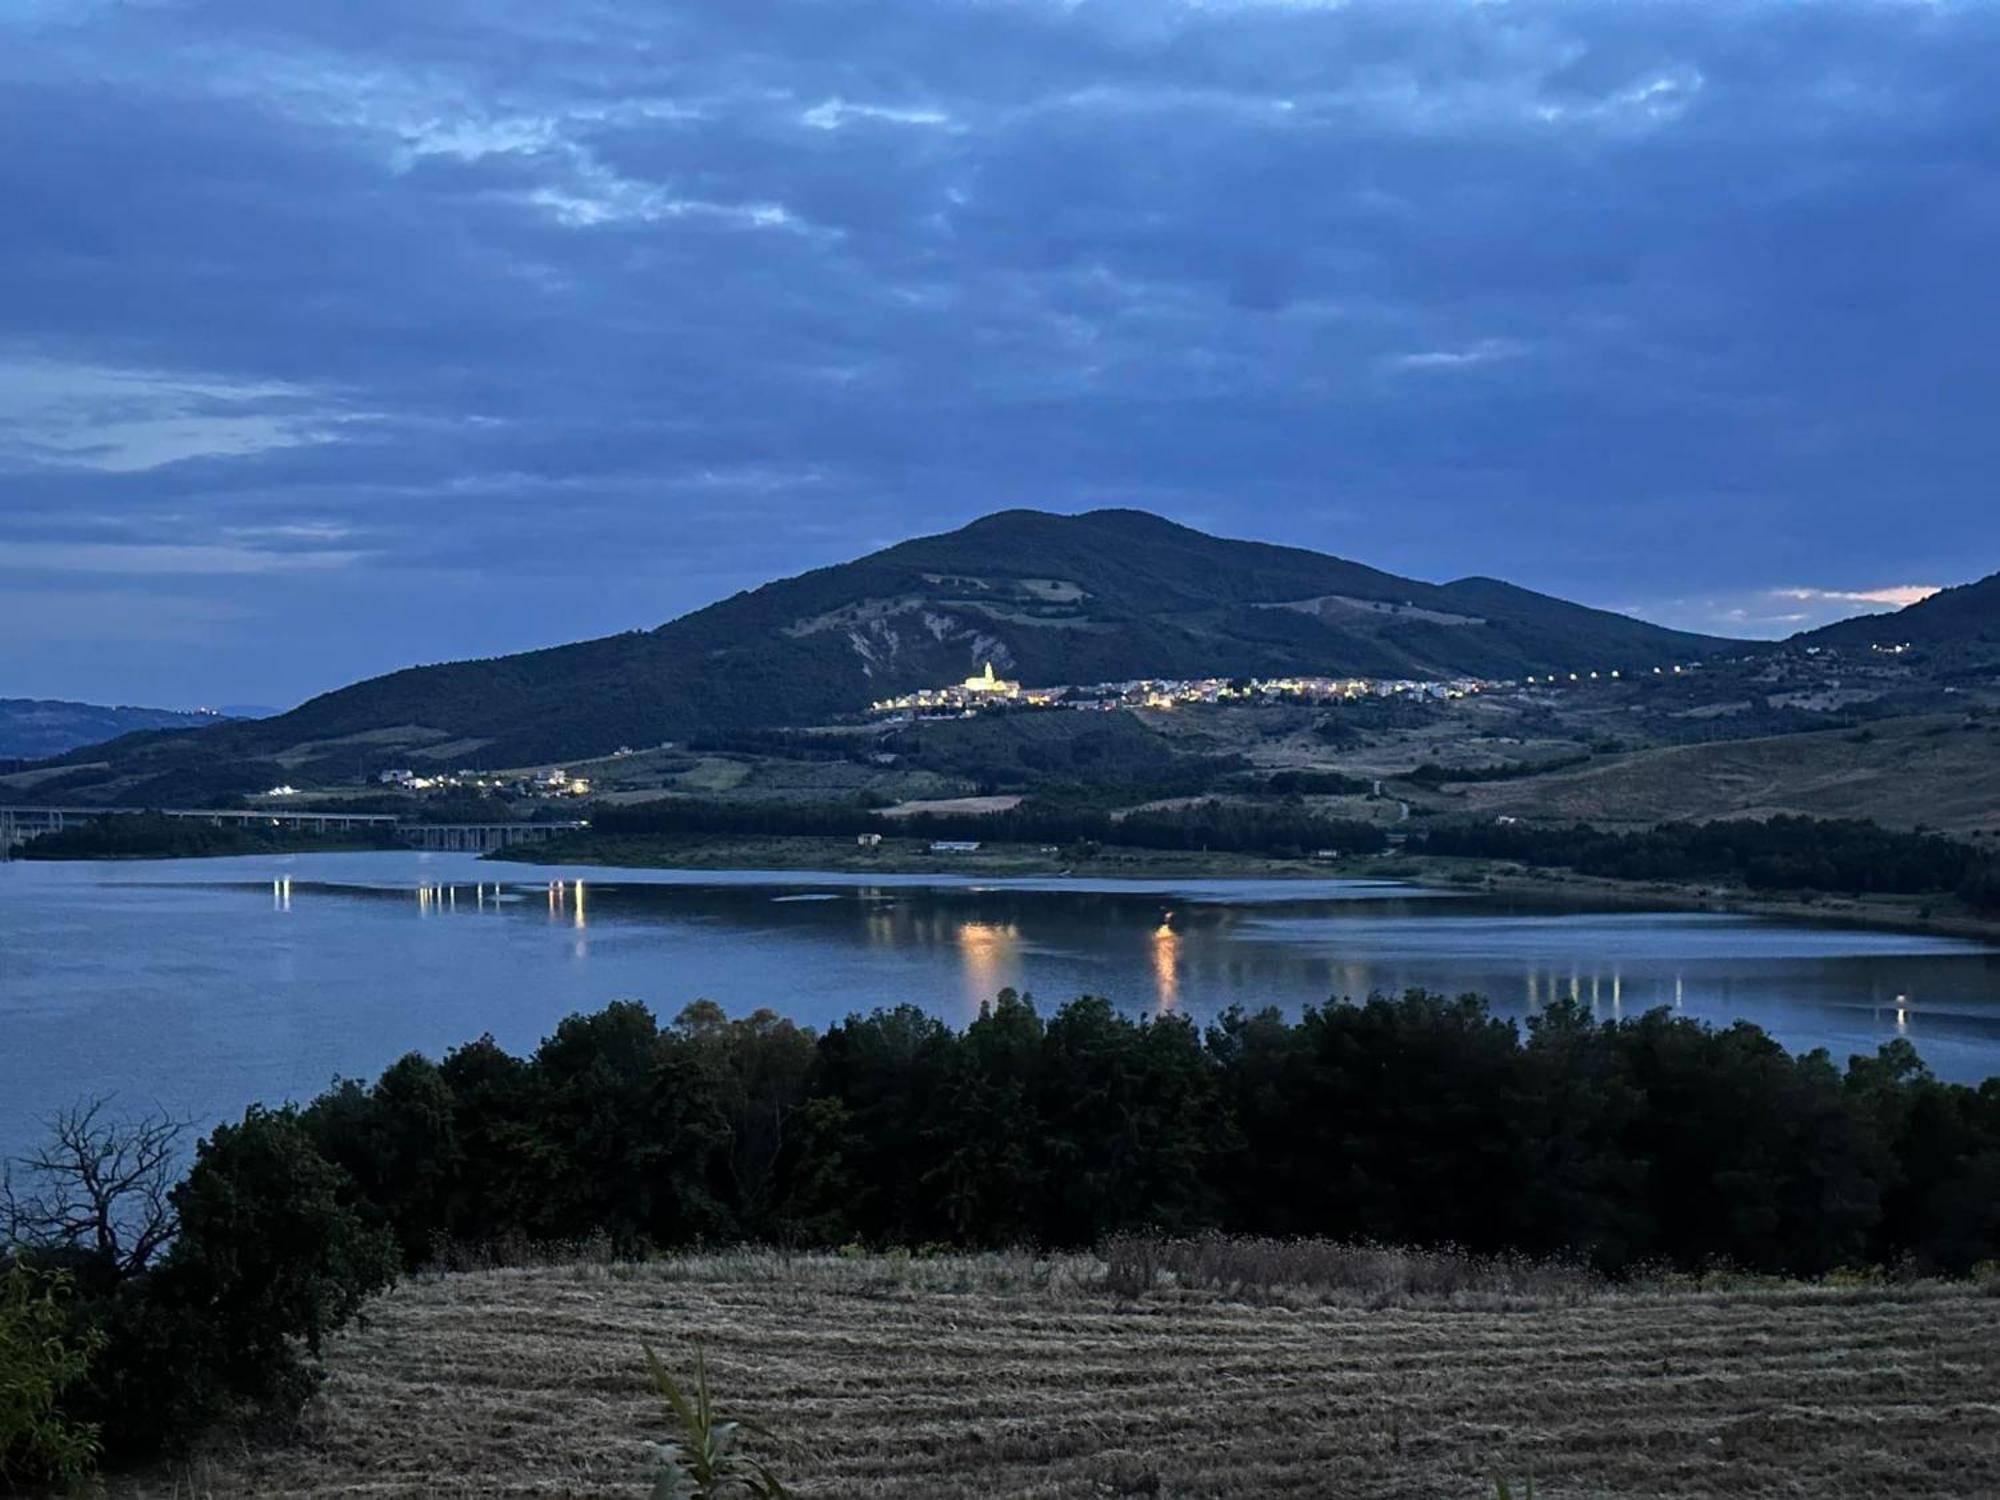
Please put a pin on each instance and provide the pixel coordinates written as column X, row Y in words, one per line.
column 912, row 633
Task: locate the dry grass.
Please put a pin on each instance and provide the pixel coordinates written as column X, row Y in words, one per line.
column 1930, row 770
column 967, row 1377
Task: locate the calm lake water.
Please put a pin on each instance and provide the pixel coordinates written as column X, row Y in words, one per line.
column 201, row 985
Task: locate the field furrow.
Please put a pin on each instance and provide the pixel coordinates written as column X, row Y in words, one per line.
column 953, row 1381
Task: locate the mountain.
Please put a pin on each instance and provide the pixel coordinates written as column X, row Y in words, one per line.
column 1111, row 595
column 36, row 728
column 1967, row 616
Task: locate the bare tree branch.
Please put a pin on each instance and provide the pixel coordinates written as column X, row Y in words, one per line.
column 98, row 1186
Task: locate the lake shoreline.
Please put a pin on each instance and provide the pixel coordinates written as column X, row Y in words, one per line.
column 1937, row 916
column 1940, row 916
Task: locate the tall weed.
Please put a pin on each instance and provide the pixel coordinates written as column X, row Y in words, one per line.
column 704, row 1461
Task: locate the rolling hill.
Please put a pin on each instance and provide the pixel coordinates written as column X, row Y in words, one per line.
column 1966, row 617
column 36, row 728
column 1938, row 771
column 1110, row 595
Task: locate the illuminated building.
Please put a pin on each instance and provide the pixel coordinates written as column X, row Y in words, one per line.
column 986, row 685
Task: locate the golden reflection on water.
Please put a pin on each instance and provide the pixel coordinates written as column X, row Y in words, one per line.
column 989, row 953
column 1603, row 988
column 881, row 927
column 1166, row 963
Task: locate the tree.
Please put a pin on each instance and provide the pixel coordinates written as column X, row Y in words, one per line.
column 99, row 1189
column 271, row 1258
column 730, row 1090
column 399, row 1142
column 986, row 1142
column 599, row 1158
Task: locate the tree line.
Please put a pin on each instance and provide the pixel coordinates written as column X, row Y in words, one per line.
column 1421, row 1121
column 1286, row 828
column 1787, row 852
column 1432, row 774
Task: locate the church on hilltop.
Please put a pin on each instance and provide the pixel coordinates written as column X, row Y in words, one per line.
column 987, row 685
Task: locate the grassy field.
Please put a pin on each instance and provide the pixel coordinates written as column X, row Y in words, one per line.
column 1005, row 1376
column 1942, row 772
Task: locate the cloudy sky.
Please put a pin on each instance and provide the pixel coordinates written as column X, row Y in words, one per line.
column 335, row 337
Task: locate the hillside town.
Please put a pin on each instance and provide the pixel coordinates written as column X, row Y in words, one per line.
column 551, row 782
column 988, row 691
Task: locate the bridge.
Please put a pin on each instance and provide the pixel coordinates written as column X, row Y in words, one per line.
column 20, row 824
column 478, row 838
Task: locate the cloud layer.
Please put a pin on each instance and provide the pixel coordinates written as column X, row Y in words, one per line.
column 395, row 333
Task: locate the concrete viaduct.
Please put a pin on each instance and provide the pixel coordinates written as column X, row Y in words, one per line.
column 20, row 824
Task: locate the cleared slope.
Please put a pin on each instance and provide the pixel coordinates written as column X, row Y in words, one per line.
column 992, row 1378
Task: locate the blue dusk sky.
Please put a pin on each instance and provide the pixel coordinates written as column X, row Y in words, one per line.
column 340, row 336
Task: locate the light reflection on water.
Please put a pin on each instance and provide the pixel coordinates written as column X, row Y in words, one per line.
column 1166, row 965
column 204, row 984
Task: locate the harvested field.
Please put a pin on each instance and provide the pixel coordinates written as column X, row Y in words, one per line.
column 1005, row 1376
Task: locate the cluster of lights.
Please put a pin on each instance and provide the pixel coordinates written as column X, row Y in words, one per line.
column 1167, row 693
column 551, row 783
column 1557, row 678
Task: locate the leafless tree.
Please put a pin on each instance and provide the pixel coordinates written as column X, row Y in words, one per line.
column 99, row 1185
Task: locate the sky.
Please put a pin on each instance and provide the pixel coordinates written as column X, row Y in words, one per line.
column 340, row 337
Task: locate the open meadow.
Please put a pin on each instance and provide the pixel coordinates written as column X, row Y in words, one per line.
column 962, row 1377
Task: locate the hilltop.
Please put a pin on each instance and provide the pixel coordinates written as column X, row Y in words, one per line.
column 1967, row 617
column 1109, row 595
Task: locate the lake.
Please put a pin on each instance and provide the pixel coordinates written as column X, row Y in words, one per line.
column 200, row 985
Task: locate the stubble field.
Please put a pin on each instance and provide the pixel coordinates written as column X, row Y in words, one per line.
column 1006, row 1376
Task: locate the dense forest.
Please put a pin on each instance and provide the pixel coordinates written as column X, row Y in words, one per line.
column 1425, row 1121
column 1286, row 828
column 1421, row 1120
column 1850, row 855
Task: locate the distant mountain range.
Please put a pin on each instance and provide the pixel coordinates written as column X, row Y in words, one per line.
column 1106, row 596
column 36, row 728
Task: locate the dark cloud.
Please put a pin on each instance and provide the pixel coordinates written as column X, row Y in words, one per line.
column 336, row 337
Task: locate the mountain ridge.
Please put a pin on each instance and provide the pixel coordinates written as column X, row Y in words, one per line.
column 1104, row 595
column 37, row 728
column 1968, row 613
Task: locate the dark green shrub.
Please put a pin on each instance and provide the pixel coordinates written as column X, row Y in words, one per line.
column 271, row 1257
column 42, row 1359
